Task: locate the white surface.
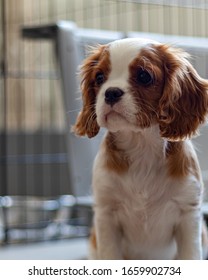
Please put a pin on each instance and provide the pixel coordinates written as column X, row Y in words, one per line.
column 55, row 250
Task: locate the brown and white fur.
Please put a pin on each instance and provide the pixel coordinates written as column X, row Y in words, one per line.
column 147, row 183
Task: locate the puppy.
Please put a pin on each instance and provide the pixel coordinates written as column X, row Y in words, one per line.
column 147, row 183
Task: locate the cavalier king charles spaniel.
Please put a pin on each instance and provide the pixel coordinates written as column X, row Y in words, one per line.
column 147, row 182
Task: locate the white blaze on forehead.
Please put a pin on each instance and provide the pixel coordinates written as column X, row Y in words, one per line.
column 123, row 51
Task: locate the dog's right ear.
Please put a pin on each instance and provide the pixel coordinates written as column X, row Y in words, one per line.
column 86, row 123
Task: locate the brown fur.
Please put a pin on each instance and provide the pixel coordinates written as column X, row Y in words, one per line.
column 147, row 97
column 86, row 123
column 184, row 103
column 93, row 239
column 178, row 98
column 116, row 158
column 181, row 163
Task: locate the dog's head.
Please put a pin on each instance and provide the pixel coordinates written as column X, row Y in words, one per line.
column 135, row 83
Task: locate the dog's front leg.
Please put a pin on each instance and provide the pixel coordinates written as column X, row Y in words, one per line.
column 188, row 237
column 108, row 236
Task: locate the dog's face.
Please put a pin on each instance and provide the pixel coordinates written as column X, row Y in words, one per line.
column 132, row 84
column 127, row 93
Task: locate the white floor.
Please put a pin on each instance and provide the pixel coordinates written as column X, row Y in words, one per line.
column 73, row 249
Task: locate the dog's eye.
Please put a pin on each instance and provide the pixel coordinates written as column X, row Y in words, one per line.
column 144, row 77
column 99, row 78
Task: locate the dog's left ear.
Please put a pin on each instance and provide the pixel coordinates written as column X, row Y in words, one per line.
column 184, row 102
column 86, row 123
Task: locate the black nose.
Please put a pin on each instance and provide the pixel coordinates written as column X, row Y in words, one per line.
column 113, row 95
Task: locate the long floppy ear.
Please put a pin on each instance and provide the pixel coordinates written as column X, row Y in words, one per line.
column 184, row 102
column 86, row 123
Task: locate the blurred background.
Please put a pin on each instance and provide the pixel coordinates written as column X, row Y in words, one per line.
column 45, row 195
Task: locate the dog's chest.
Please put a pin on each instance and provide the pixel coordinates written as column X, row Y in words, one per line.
column 144, row 203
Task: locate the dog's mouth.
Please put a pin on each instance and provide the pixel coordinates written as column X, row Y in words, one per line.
column 116, row 118
column 115, row 121
column 113, row 115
